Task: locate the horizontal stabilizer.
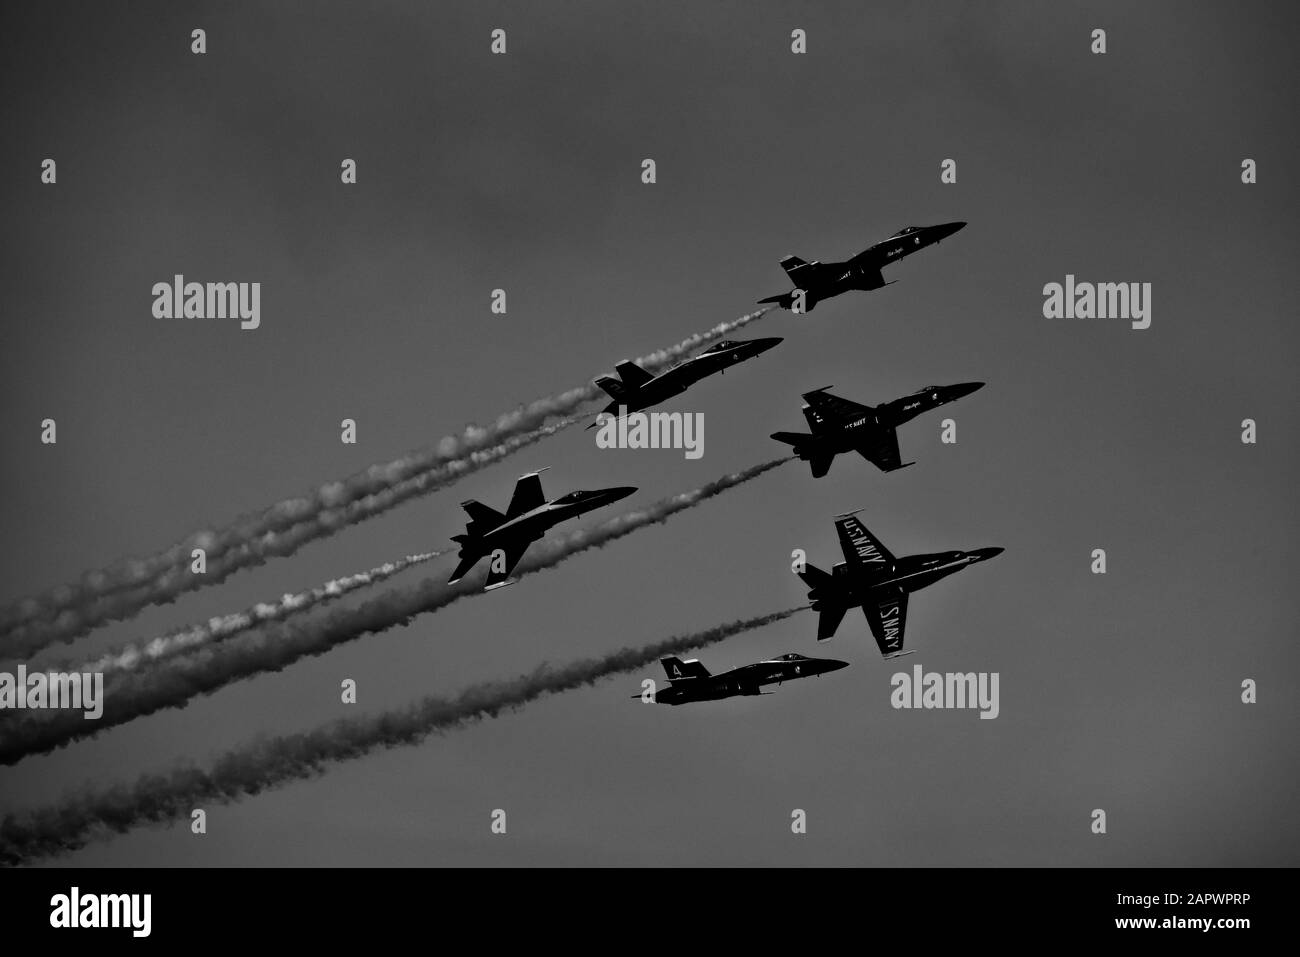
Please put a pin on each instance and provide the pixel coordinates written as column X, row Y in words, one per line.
column 466, row 563
column 828, row 621
column 814, row 577
column 792, row 438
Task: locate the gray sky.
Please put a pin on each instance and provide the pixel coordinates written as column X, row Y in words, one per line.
column 522, row 172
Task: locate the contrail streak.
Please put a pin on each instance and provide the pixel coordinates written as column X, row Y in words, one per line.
column 122, row 589
column 29, row 638
column 131, row 656
column 130, row 695
column 269, row 763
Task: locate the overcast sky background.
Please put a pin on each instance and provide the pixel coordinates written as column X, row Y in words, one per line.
column 523, row 172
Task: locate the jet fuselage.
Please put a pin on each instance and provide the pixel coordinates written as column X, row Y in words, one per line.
column 909, row 573
column 675, row 381
column 840, row 425
column 535, row 523
column 747, row 680
column 819, row 280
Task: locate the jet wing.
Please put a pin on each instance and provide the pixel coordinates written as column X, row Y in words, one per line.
column 887, row 619
column 528, row 494
column 496, row 577
column 823, row 410
column 860, row 547
column 881, row 450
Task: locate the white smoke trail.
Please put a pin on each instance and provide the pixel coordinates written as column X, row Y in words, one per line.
column 120, row 591
column 272, row 762
column 130, row 695
column 130, row 656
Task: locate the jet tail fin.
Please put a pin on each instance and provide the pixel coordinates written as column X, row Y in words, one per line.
column 482, row 515
column 676, row 669
column 798, row 269
column 614, row 388
column 633, row 375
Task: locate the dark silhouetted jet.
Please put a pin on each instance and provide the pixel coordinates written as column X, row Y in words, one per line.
column 878, row 582
column 506, row 537
column 636, row 389
column 818, row 281
column 839, row 425
column 690, row 681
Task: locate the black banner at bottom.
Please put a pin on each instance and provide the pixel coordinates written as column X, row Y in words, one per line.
column 628, row 908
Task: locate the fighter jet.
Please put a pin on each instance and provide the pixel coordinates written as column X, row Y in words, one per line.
column 818, row 280
column 871, row 577
column 690, row 681
column 529, row 516
column 636, row 389
column 839, row 425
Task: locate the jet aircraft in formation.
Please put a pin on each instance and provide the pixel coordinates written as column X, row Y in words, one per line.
column 815, row 281
column 635, row 389
column 690, row 681
column 873, row 579
column 528, row 517
column 869, row 577
column 840, row 425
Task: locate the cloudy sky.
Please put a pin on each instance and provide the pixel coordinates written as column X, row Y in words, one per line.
column 522, row 172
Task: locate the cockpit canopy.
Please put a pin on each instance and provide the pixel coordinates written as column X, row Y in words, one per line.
column 908, row 229
column 792, row 657
column 719, row 346
column 573, row 496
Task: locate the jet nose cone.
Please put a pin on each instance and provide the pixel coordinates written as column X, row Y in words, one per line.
column 984, row 554
column 834, row 664
column 966, row 388
column 947, row 229
column 623, row 491
column 769, row 342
